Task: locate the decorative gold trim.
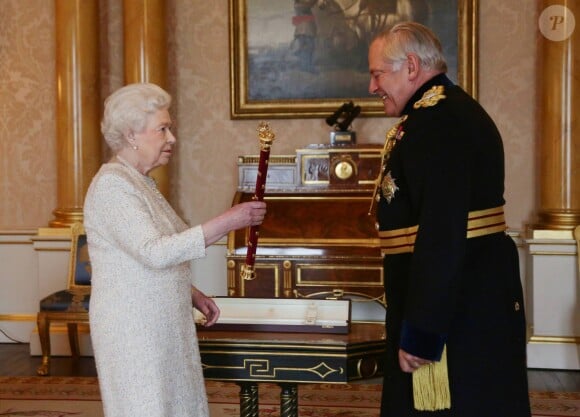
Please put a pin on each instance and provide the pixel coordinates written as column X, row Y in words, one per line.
column 17, row 232
column 54, row 231
column 468, row 46
column 287, row 278
column 359, row 365
column 295, row 349
column 242, row 108
column 367, row 149
column 305, row 267
column 248, row 273
column 261, row 265
column 557, row 219
column 555, row 339
column 398, row 241
column 261, row 368
column 76, row 230
column 276, row 159
column 363, row 197
column 321, row 242
column 577, row 237
column 545, row 253
column 18, row 317
column 431, row 97
column 479, row 223
column 370, row 152
column 284, row 350
column 52, row 249
column 61, row 327
column 66, row 216
column 340, row 294
column 485, row 222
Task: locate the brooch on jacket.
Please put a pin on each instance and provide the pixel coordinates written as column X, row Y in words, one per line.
column 385, row 182
column 431, row 97
column 388, row 187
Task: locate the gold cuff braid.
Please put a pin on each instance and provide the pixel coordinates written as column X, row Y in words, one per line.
column 479, row 223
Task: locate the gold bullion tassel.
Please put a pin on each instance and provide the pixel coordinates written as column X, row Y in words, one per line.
column 431, row 386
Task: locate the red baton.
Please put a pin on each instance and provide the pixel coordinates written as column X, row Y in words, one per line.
column 266, row 137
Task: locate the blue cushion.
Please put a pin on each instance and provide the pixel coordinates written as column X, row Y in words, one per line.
column 69, row 301
column 83, row 264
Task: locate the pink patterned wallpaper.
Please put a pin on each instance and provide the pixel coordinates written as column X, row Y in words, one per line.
column 27, row 113
column 204, row 171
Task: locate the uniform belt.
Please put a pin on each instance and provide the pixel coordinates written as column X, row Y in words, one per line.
column 479, row 223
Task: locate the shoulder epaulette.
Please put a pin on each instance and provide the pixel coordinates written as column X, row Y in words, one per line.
column 431, row 97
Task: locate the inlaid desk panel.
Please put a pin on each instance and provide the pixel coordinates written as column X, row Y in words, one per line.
column 288, row 359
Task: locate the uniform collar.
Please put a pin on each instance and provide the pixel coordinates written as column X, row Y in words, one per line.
column 439, row 79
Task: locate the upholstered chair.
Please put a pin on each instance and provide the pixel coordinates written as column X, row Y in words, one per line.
column 71, row 305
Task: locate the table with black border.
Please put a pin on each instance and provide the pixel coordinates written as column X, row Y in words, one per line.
column 289, row 359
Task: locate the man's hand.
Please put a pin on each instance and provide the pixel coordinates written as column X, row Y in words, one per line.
column 410, row 363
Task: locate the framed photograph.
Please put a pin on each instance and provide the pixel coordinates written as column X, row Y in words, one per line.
column 305, row 58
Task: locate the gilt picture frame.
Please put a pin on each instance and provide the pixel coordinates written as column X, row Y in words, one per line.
column 305, row 58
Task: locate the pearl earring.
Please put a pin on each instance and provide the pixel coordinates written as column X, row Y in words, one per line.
column 135, row 147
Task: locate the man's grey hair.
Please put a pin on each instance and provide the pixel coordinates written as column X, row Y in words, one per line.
column 412, row 38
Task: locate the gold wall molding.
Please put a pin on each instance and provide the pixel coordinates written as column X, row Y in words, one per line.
column 554, row 339
column 145, row 53
column 78, row 135
column 559, row 130
column 18, row 317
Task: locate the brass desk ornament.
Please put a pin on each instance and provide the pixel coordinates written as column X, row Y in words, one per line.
column 266, row 137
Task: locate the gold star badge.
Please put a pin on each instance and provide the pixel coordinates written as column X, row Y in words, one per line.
column 388, row 187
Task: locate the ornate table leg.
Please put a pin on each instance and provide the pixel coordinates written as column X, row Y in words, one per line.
column 44, row 334
column 289, row 400
column 248, row 399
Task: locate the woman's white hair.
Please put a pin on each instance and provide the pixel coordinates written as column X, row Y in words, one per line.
column 413, row 38
column 127, row 110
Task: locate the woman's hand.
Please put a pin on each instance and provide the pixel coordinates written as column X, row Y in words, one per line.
column 205, row 305
column 410, row 363
column 250, row 213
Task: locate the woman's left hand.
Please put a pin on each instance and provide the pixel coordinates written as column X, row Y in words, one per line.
column 205, row 305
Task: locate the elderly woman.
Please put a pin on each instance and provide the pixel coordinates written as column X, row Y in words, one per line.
column 142, row 327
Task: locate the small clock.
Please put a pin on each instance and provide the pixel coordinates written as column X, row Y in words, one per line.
column 344, row 168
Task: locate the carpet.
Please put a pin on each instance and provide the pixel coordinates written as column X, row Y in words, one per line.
column 79, row 397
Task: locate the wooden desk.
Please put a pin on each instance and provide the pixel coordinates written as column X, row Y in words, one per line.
column 317, row 240
column 289, row 359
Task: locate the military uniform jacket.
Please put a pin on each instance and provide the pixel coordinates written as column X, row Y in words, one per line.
column 448, row 161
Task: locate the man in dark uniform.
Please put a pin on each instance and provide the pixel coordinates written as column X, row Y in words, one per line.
column 456, row 335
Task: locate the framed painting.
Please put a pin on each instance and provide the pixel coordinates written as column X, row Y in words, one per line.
column 305, row 58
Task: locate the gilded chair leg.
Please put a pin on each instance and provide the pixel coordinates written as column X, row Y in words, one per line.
column 73, row 339
column 43, row 333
